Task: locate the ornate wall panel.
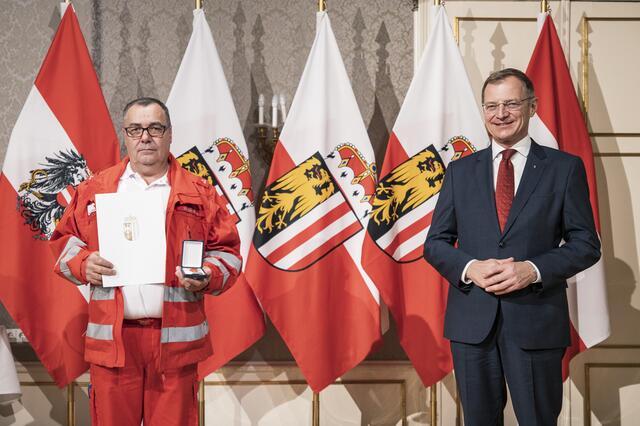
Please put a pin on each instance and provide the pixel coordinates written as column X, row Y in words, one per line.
column 603, row 378
column 261, row 404
column 623, row 408
column 137, row 46
column 493, row 35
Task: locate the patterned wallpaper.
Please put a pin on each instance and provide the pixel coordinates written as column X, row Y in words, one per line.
column 137, row 46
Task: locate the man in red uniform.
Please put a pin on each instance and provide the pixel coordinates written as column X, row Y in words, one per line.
column 143, row 342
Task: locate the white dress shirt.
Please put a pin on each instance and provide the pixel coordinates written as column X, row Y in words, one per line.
column 143, row 301
column 518, row 160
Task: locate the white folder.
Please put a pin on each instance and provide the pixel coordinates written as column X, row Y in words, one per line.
column 131, row 235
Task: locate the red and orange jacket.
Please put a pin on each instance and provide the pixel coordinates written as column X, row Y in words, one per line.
column 194, row 212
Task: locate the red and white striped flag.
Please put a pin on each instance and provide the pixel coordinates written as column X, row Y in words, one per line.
column 63, row 133
column 559, row 123
column 304, row 263
column 439, row 122
column 208, row 141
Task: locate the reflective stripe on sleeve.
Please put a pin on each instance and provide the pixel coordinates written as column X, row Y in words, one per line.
column 222, row 268
column 184, row 334
column 70, row 251
column 231, row 260
column 100, row 331
column 180, row 294
column 103, row 293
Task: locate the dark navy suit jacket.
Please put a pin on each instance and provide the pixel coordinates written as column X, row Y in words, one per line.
column 550, row 223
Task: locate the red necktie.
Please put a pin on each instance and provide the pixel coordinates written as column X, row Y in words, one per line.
column 505, row 187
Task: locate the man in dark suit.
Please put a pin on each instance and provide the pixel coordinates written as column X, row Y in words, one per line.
column 521, row 218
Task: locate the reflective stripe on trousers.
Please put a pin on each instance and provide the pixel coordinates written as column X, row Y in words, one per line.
column 184, row 334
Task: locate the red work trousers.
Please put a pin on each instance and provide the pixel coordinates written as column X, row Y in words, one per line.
column 126, row 396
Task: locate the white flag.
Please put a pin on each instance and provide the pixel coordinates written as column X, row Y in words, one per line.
column 439, row 122
column 208, row 141
column 305, row 260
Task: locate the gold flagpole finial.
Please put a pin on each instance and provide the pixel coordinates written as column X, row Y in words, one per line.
column 438, row 3
column 199, row 4
column 545, row 7
column 67, row 1
column 322, row 5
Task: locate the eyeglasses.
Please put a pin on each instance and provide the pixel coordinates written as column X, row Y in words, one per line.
column 511, row 105
column 155, row 131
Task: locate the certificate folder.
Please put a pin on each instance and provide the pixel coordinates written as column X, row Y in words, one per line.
column 131, row 235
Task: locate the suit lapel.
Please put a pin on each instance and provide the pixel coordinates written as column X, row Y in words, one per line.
column 485, row 179
column 533, row 171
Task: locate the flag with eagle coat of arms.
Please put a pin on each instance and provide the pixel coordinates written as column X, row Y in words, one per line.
column 63, row 134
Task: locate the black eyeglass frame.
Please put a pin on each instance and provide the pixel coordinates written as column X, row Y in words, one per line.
column 151, row 130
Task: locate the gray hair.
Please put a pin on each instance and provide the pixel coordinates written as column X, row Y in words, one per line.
column 146, row 101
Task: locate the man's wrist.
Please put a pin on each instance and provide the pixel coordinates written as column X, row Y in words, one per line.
column 464, row 278
column 535, row 273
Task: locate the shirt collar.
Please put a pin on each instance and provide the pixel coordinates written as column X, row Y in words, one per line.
column 129, row 173
column 523, row 147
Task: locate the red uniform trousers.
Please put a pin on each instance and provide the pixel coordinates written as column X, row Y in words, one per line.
column 125, row 396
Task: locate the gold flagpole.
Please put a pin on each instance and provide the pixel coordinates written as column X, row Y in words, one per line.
column 434, row 404
column 71, row 401
column 201, row 383
column 201, row 403
column 545, row 7
column 315, row 409
column 316, row 406
column 585, row 67
column 433, row 389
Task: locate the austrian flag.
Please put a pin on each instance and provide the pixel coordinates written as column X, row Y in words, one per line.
column 63, row 134
column 559, row 124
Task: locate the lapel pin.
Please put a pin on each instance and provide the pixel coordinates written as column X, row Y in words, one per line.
column 534, row 166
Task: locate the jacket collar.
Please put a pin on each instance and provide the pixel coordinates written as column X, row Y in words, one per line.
column 109, row 178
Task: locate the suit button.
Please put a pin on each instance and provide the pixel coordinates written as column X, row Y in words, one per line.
column 501, row 244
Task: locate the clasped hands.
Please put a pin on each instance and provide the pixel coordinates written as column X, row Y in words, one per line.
column 501, row 276
column 96, row 267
